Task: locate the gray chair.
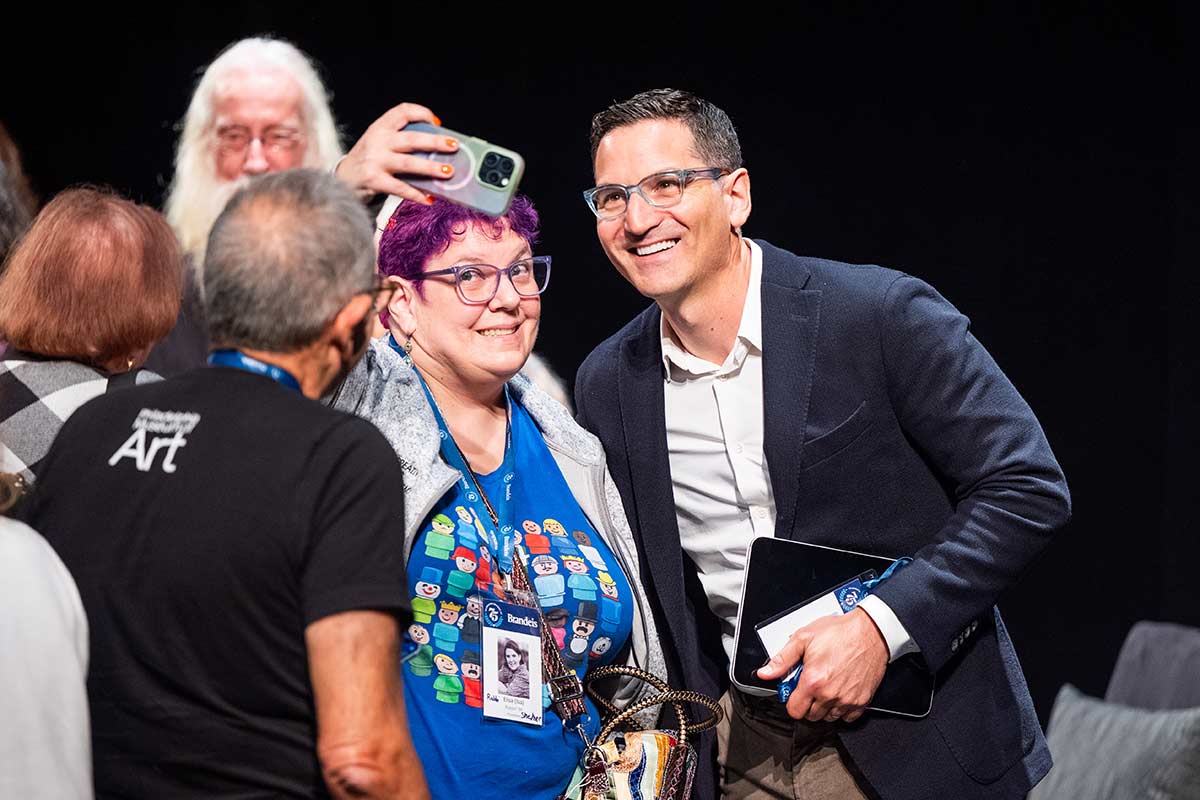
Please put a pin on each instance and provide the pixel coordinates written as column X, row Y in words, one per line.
column 1142, row 740
column 1158, row 667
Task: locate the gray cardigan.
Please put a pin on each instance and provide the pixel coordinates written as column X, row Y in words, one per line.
column 385, row 390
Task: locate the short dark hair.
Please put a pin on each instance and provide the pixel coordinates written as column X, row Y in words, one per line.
column 288, row 251
column 716, row 139
column 96, row 277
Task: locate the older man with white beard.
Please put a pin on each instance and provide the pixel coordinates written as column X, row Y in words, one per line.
column 260, row 107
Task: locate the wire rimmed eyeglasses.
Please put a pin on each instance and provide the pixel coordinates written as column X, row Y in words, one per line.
column 479, row 283
column 237, row 139
column 661, row 190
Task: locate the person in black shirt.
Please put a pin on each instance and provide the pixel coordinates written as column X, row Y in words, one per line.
column 238, row 546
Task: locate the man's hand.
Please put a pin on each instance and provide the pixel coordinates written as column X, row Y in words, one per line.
column 384, row 151
column 844, row 660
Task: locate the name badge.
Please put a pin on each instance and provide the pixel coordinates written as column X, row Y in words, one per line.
column 512, row 663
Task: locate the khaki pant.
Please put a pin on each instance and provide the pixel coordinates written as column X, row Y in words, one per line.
column 765, row 755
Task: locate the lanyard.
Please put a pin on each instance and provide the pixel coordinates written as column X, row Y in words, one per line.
column 498, row 510
column 239, row 360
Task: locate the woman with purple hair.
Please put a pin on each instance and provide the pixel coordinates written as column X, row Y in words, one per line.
column 485, row 448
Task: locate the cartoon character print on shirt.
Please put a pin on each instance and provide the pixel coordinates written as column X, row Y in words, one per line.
column 439, row 541
column 420, row 664
column 610, row 606
column 558, row 538
column 462, row 579
column 472, row 678
column 535, row 542
column 582, row 587
column 465, row 528
column 578, row 646
column 471, row 623
column 581, row 604
column 589, row 552
column 557, row 619
column 445, row 630
column 447, row 685
column 483, row 570
column 601, row 646
column 549, row 585
column 428, row 589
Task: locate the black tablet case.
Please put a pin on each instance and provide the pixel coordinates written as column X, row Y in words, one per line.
column 781, row 573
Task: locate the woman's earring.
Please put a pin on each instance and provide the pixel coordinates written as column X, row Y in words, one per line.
column 407, row 348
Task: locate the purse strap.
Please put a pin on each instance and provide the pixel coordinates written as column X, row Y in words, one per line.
column 675, row 697
column 566, row 690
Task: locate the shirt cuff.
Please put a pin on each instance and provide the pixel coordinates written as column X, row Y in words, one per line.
column 899, row 643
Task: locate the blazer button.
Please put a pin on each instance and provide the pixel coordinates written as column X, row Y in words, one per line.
column 954, row 645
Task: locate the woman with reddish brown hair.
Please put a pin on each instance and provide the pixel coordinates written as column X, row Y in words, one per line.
column 86, row 293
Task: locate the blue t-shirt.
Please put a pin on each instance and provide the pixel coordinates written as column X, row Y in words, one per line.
column 583, row 593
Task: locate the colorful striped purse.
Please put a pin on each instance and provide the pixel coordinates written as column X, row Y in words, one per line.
column 640, row 764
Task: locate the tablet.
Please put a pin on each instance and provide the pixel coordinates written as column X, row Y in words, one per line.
column 780, row 575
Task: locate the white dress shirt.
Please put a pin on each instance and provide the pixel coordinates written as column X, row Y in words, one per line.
column 723, row 496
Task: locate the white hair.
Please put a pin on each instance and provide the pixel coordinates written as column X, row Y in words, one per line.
column 196, row 195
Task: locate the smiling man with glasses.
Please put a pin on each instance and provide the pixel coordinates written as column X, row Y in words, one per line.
column 766, row 394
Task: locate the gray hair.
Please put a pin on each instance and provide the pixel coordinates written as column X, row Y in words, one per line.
column 716, row 139
column 196, row 196
column 284, row 257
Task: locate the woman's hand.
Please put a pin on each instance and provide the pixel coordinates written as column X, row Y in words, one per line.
column 384, row 151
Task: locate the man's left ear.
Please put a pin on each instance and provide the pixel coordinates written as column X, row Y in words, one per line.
column 737, row 197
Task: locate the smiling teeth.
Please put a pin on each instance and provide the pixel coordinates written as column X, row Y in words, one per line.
column 497, row 331
column 657, row 247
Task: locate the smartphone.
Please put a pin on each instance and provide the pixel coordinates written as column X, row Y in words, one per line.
column 485, row 175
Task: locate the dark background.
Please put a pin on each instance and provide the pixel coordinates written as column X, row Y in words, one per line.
column 1027, row 161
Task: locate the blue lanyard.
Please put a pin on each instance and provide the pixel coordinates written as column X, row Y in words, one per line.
column 501, row 542
column 239, row 360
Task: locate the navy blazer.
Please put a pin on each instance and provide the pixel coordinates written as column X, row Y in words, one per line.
column 888, row 429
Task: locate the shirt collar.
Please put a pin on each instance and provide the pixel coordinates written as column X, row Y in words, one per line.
column 680, row 365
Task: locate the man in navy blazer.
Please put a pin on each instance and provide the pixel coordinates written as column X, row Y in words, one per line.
column 845, row 405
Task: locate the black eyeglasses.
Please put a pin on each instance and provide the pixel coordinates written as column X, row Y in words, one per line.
column 661, row 190
column 478, row 283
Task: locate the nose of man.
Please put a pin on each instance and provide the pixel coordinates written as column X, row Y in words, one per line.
column 640, row 216
column 256, row 159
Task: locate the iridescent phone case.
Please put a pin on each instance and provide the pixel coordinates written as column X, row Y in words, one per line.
column 485, row 177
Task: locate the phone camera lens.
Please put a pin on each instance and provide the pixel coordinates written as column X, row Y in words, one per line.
column 494, row 177
column 490, row 160
column 506, row 165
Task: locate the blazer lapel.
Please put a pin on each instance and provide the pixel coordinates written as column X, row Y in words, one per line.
column 791, row 319
column 643, row 418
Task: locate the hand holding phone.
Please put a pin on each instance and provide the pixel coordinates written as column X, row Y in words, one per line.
column 484, row 176
column 385, row 158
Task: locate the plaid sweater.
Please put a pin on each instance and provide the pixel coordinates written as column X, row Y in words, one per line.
column 36, row 397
